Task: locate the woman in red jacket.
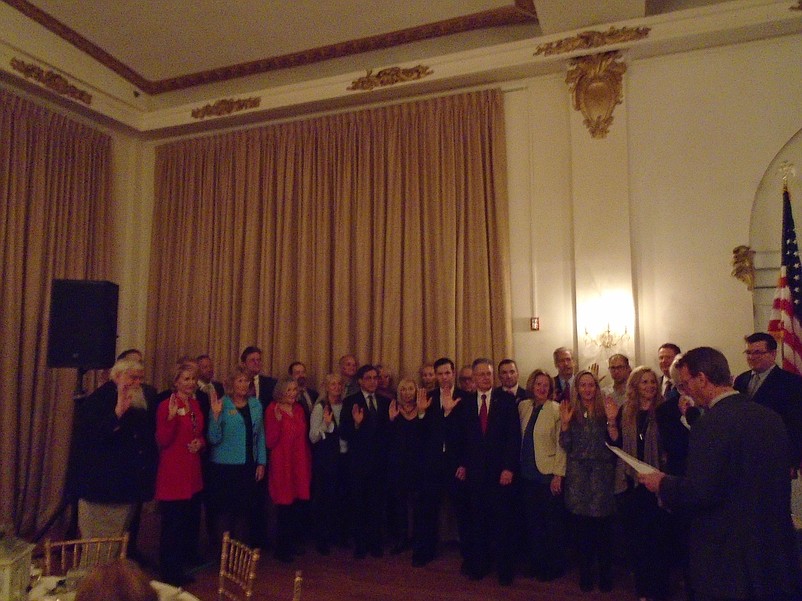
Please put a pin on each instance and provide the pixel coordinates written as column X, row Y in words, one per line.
column 290, row 466
column 179, row 434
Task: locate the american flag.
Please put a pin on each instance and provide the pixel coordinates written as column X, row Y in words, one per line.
column 787, row 309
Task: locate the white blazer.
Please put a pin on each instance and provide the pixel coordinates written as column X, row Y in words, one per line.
column 549, row 455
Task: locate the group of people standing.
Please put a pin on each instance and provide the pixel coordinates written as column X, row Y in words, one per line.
column 521, row 467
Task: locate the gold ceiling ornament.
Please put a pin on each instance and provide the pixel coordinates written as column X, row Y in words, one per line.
column 596, row 81
column 226, row 106
column 743, row 265
column 52, row 80
column 587, row 40
column 389, row 77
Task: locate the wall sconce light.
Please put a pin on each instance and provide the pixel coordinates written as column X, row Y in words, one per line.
column 607, row 339
column 596, row 83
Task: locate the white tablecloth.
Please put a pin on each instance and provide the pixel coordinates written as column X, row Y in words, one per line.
column 43, row 591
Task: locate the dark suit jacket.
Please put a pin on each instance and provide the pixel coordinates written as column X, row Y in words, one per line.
column 368, row 444
column 738, row 492
column 520, row 395
column 558, row 388
column 486, row 456
column 448, row 430
column 782, row 392
column 266, row 387
column 673, row 434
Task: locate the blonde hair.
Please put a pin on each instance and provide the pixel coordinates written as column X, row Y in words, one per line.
column 632, row 404
column 596, row 410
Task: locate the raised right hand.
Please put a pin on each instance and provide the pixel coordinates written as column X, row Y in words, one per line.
column 358, row 414
column 216, row 405
column 566, row 413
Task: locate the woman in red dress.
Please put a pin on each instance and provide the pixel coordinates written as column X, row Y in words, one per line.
column 290, row 466
column 179, row 434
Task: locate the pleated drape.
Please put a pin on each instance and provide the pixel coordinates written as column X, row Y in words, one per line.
column 381, row 232
column 55, row 222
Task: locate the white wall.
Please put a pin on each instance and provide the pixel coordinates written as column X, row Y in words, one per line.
column 701, row 129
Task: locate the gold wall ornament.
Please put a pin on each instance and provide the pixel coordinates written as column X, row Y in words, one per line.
column 587, row 40
column 52, row 80
column 743, row 265
column 389, row 77
column 226, row 106
column 596, row 81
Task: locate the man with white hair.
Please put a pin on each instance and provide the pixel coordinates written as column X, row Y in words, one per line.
column 116, row 453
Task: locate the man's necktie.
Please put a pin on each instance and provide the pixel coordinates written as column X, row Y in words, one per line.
column 566, row 396
column 754, row 383
column 371, row 403
column 483, row 414
column 252, row 388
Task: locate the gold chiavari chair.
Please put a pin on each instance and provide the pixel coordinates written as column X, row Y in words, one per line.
column 65, row 555
column 296, row 587
column 237, row 570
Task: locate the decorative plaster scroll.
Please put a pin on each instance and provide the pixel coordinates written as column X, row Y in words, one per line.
column 226, row 106
column 587, row 40
column 596, row 86
column 743, row 265
column 389, row 77
column 52, row 80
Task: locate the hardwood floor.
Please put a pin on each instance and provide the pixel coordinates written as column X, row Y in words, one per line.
column 341, row 577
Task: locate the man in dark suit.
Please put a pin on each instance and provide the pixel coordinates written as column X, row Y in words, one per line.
column 444, row 398
column 365, row 424
column 508, row 376
column 206, row 377
column 736, row 487
column 665, row 357
column 307, row 396
column 771, row 386
column 262, row 388
column 564, row 362
column 489, row 447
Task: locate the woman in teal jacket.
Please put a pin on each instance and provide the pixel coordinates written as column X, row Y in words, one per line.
column 238, row 457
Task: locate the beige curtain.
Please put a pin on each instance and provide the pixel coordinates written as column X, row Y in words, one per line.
column 54, row 223
column 381, row 232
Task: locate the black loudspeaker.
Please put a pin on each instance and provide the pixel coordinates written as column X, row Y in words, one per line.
column 83, row 324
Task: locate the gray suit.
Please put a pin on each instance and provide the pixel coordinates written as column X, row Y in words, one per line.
column 739, row 494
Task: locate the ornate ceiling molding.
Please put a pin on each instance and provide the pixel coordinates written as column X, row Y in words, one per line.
column 51, row 80
column 588, row 40
column 389, row 77
column 226, row 106
column 596, row 87
column 522, row 11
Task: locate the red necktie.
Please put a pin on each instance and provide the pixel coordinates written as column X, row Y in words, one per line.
column 483, row 414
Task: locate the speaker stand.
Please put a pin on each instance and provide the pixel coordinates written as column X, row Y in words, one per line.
column 79, row 384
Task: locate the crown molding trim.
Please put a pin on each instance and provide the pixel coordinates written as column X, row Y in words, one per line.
column 522, row 11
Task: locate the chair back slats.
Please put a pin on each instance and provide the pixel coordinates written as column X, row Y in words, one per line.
column 237, row 570
column 296, row 586
column 62, row 556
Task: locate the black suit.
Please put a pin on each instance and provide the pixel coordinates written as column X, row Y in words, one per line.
column 484, row 457
column 521, row 394
column 266, row 387
column 367, row 450
column 782, row 392
column 559, row 392
column 737, row 487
